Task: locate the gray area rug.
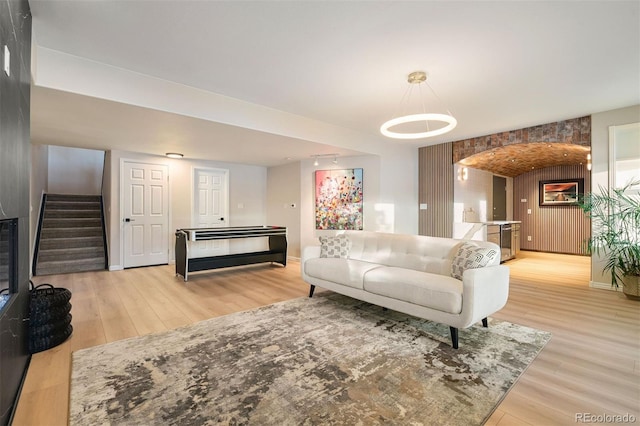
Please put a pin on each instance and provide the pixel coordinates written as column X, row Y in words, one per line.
column 325, row 360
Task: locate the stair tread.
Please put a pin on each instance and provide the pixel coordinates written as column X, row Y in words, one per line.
column 69, row 217
column 70, row 233
column 71, row 211
column 55, row 268
column 91, row 237
column 73, row 261
column 68, row 227
column 69, row 222
column 71, row 249
column 54, row 230
column 58, row 197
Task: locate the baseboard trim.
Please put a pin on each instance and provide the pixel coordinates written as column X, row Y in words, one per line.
column 603, row 286
column 115, row 268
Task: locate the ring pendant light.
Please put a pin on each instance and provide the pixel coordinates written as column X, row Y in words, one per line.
column 419, row 77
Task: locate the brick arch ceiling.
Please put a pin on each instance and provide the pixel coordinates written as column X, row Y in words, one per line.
column 515, row 152
column 514, row 160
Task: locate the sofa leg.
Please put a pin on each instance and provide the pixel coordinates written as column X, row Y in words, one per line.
column 311, row 290
column 454, row 337
column 485, row 322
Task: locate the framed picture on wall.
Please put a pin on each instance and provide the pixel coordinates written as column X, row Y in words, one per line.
column 339, row 199
column 561, row 192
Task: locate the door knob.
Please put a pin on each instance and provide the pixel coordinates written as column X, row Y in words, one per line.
column 129, row 220
column 221, row 219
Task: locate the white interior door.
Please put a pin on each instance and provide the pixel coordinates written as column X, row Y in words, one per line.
column 145, row 208
column 210, row 209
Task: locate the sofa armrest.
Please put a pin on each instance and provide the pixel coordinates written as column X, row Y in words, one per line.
column 484, row 292
column 308, row 252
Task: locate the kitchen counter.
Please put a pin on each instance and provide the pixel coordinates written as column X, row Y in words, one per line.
column 505, row 233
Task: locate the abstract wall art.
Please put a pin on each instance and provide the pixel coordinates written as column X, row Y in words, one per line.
column 339, row 199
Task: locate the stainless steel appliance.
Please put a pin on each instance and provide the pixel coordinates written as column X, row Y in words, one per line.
column 493, row 234
column 505, row 242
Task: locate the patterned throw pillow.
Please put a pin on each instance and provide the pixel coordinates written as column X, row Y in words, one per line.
column 470, row 256
column 337, row 246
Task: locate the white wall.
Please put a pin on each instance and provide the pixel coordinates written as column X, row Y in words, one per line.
column 600, row 123
column 247, row 196
column 476, row 193
column 75, row 171
column 283, row 191
column 373, row 218
column 397, row 206
column 390, row 186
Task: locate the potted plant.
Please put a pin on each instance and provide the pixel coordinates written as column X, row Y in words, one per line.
column 615, row 215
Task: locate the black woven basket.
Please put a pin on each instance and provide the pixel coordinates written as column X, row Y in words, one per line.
column 39, row 344
column 50, row 317
column 49, row 328
column 46, row 296
column 45, row 316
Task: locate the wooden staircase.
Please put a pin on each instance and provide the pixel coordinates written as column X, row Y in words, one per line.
column 71, row 235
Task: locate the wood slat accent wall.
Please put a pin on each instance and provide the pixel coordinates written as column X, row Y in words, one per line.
column 435, row 189
column 555, row 229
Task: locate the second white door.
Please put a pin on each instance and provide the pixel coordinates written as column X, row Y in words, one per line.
column 211, row 208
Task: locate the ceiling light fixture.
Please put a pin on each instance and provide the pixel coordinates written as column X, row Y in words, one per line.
column 174, row 155
column 316, row 156
column 417, row 78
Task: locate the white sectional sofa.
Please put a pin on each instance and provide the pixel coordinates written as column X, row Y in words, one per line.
column 450, row 281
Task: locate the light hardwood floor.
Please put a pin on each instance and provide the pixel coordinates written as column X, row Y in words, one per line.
column 591, row 365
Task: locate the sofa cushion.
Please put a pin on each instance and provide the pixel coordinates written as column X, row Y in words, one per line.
column 470, row 256
column 427, row 254
column 434, row 291
column 337, row 246
column 342, row 271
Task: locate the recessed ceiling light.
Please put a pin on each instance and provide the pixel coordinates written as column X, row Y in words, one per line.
column 174, row 155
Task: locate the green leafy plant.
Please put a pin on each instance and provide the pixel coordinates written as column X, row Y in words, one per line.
column 615, row 215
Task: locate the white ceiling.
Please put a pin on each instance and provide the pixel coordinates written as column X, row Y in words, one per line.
column 496, row 65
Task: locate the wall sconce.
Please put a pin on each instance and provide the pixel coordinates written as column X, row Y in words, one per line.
column 589, row 161
column 463, row 173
